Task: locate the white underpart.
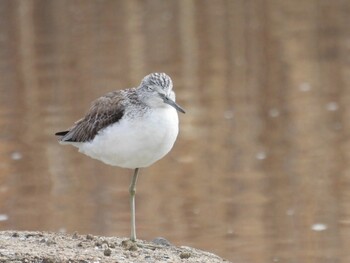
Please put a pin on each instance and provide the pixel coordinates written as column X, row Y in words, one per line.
column 135, row 142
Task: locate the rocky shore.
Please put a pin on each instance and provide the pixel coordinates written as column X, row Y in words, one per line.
column 46, row 247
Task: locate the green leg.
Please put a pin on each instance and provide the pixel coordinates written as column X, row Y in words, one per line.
column 132, row 191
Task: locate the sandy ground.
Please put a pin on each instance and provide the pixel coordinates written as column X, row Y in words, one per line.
column 44, row 247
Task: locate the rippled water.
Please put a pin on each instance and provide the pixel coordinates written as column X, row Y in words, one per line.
column 260, row 170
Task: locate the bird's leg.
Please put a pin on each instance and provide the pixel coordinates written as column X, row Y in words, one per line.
column 132, row 191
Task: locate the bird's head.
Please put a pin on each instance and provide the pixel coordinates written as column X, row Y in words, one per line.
column 157, row 91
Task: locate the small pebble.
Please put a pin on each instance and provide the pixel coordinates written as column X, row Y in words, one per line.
column 107, row 252
column 75, row 235
column 34, row 235
column 161, row 241
column 185, row 255
column 104, row 246
column 50, row 242
column 89, row 237
column 98, row 243
column 48, row 260
column 129, row 245
column 112, row 245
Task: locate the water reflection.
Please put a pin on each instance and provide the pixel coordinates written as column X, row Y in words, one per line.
column 260, row 170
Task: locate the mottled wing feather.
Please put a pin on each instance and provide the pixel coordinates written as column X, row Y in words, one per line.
column 103, row 112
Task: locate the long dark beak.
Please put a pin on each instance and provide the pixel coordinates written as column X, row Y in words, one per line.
column 169, row 101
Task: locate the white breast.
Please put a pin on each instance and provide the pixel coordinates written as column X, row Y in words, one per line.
column 135, row 142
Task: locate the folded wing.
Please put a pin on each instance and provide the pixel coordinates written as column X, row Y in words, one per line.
column 104, row 111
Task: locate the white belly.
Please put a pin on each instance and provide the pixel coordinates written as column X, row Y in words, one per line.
column 135, row 143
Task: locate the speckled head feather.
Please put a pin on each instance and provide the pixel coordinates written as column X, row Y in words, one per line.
column 157, row 79
column 156, row 90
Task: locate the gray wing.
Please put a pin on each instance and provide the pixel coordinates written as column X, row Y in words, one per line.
column 103, row 112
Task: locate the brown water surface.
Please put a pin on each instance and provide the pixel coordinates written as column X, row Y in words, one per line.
column 261, row 168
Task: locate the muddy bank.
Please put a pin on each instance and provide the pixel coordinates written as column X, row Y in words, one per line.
column 17, row 246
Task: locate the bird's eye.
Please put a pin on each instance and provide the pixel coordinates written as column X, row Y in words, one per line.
column 149, row 88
